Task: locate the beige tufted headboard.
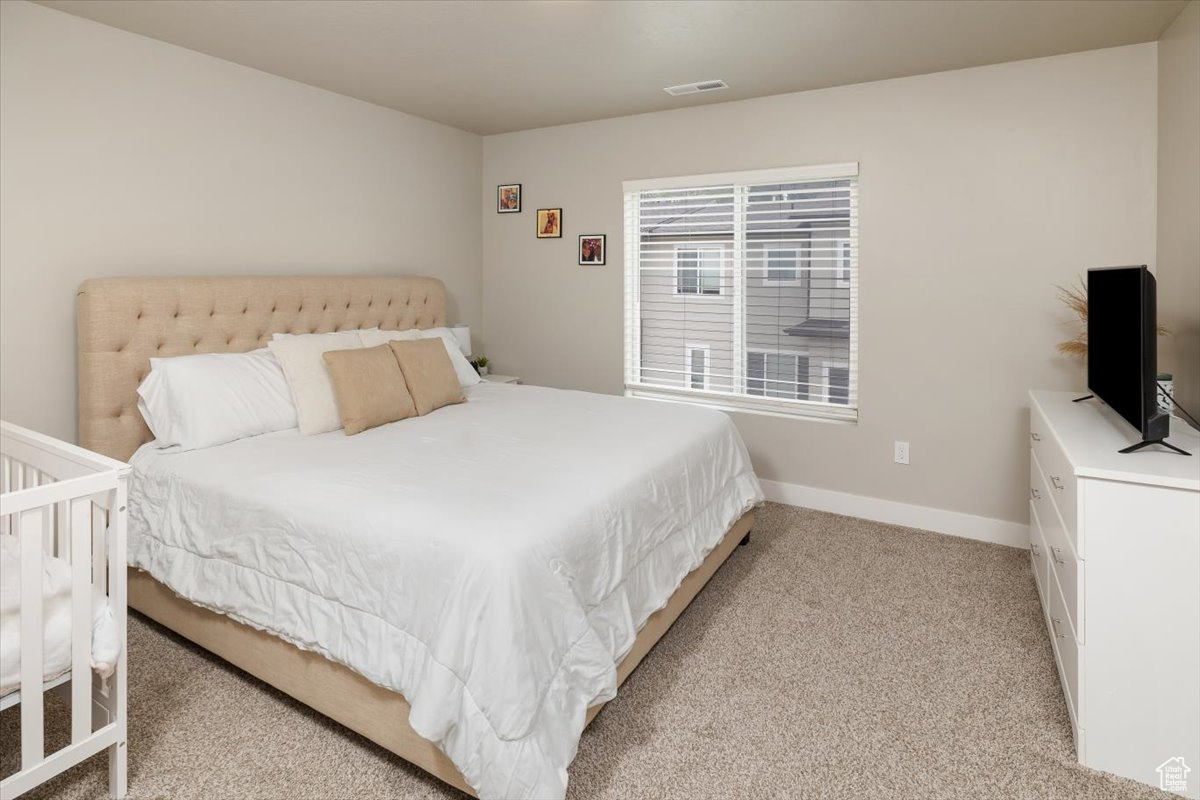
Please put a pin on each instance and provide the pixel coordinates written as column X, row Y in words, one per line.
column 124, row 322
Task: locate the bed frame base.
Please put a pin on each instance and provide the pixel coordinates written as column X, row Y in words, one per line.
column 346, row 697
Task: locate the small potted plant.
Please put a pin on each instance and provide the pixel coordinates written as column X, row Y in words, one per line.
column 480, row 363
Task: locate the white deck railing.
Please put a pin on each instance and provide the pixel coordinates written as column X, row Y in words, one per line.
column 65, row 502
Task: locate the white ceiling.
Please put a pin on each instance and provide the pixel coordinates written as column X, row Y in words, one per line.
column 491, row 67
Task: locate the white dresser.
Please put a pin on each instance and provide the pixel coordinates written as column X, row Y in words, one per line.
column 1115, row 545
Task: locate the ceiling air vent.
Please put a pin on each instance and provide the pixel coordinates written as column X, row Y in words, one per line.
column 693, row 88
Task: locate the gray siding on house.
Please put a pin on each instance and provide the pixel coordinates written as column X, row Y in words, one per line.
column 671, row 320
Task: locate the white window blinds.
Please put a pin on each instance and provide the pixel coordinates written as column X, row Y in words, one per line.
column 741, row 290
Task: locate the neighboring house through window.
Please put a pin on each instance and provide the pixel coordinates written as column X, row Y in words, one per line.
column 741, row 290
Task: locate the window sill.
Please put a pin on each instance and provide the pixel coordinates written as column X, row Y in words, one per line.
column 760, row 406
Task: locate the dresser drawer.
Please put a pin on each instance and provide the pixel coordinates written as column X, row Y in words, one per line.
column 1060, row 555
column 1066, row 650
column 1060, row 475
column 1038, row 560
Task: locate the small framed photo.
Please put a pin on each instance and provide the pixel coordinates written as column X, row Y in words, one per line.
column 508, row 198
column 549, row 223
column 591, row 248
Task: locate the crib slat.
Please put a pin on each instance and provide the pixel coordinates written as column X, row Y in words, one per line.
column 44, row 479
column 32, row 728
column 5, row 488
column 62, row 531
column 117, row 589
column 98, row 528
column 81, row 633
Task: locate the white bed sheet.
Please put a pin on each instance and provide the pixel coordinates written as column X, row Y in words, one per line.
column 56, row 620
column 492, row 561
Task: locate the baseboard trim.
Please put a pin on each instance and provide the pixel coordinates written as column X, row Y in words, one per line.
column 952, row 523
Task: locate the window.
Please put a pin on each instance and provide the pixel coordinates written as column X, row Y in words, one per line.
column 781, row 265
column 837, row 384
column 697, row 366
column 777, row 375
column 698, row 270
column 741, row 290
column 843, row 265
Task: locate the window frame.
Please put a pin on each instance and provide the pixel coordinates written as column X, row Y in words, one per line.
column 700, row 247
column 826, row 365
column 795, row 356
column 843, row 267
column 689, row 348
column 803, row 261
column 736, row 261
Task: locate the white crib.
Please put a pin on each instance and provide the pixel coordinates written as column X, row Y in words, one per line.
column 65, row 502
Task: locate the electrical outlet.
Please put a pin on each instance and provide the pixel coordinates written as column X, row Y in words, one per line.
column 901, row 452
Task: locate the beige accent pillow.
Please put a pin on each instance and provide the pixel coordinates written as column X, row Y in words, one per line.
column 429, row 374
column 369, row 387
column 312, row 392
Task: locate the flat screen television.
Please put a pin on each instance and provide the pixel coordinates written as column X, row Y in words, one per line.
column 1122, row 331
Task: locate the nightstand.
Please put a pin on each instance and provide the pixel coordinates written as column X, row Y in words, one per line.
column 500, row 378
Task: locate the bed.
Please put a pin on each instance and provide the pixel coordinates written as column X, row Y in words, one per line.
column 470, row 604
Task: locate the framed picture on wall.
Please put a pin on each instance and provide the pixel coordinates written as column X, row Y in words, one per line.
column 508, row 198
column 591, row 248
column 549, row 223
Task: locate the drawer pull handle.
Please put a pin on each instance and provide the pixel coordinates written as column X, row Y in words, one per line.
column 1056, row 623
column 1035, row 437
column 1055, row 482
column 1057, row 555
column 1036, row 494
column 1033, row 549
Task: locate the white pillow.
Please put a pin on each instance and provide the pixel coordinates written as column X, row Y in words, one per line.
column 312, row 391
column 209, row 399
column 467, row 376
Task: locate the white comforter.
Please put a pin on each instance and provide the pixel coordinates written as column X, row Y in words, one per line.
column 492, row 561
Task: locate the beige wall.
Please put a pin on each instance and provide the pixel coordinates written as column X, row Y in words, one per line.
column 1179, row 202
column 121, row 155
column 980, row 189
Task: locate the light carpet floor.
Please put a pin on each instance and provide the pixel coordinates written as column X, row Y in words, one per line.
column 832, row 658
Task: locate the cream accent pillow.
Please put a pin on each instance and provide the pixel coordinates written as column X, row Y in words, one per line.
column 428, row 373
column 373, row 337
column 369, row 387
column 300, row 355
column 467, row 376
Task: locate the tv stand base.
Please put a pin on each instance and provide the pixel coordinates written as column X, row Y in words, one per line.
column 1149, row 442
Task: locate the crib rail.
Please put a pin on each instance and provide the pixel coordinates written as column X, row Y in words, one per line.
column 62, row 501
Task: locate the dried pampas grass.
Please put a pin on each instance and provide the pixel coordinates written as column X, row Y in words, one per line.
column 1074, row 297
